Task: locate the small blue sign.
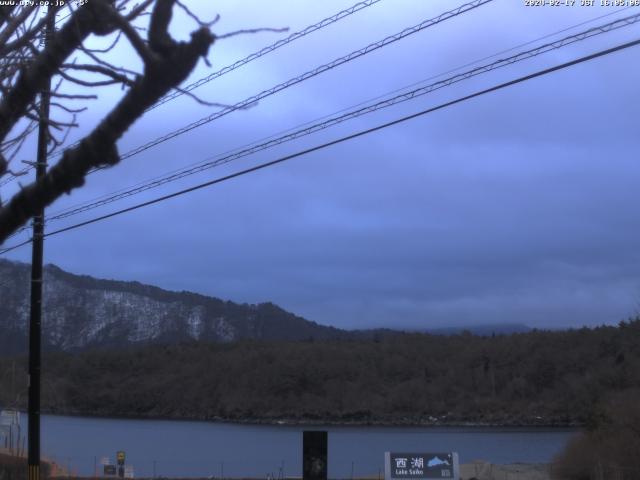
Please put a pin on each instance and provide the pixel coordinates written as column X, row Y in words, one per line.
column 421, row 466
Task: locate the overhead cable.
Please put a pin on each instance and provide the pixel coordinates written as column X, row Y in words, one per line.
column 248, row 102
column 239, row 63
column 352, row 107
column 307, row 130
column 268, row 49
column 361, row 133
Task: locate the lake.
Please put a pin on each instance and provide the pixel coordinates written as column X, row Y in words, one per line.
column 191, row 448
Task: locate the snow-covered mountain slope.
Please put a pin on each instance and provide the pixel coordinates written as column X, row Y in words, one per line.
column 81, row 312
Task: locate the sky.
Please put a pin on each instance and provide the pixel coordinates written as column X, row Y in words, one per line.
column 513, row 207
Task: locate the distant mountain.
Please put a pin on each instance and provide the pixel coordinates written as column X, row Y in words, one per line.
column 483, row 330
column 81, row 312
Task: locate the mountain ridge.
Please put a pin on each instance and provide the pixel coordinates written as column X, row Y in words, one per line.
column 83, row 312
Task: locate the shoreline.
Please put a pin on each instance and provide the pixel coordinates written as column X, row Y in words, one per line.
column 407, row 422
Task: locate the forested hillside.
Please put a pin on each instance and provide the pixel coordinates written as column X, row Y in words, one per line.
column 541, row 377
column 82, row 312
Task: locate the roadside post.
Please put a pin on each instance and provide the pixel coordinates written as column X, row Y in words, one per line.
column 9, row 422
column 108, row 470
column 128, row 471
column 314, row 455
column 8, row 418
column 120, row 458
column 421, row 466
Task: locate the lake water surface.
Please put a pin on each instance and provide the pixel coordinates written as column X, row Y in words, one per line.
column 184, row 448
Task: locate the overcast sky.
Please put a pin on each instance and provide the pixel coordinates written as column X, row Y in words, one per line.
column 518, row 206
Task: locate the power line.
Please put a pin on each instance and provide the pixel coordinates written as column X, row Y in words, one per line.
column 308, row 123
column 418, row 92
column 502, row 52
column 361, row 133
column 239, row 63
column 14, row 247
column 264, row 51
column 248, row 102
column 268, row 49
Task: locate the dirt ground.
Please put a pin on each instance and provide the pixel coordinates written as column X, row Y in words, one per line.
column 477, row 470
column 517, row 471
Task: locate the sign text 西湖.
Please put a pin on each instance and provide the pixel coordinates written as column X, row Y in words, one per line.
column 421, row 466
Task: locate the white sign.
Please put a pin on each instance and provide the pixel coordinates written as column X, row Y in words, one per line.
column 421, row 466
column 105, row 461
column 9, row 417
column 128, row 471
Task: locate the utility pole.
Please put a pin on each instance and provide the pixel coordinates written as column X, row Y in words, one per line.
column 35, row 320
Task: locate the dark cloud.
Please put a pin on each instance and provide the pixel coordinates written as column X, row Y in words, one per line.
column 514, row 207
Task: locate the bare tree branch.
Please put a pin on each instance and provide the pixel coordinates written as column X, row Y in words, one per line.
column 74, row 96
column 34, row 77
column 106, row 49
column 13, row 25
column 27, row 37
column 67, row 109
column 196, row 18
column 137, row 11
column 134, row 38
column 169, row 66
column 251, row 30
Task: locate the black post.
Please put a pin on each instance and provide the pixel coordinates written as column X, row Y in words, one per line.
column 35, row 321
column 314, row 455
column 120, row 457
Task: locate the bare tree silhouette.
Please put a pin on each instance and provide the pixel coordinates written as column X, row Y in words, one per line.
column 27, row 65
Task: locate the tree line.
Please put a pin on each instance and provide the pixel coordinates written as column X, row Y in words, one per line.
column 535, row 378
